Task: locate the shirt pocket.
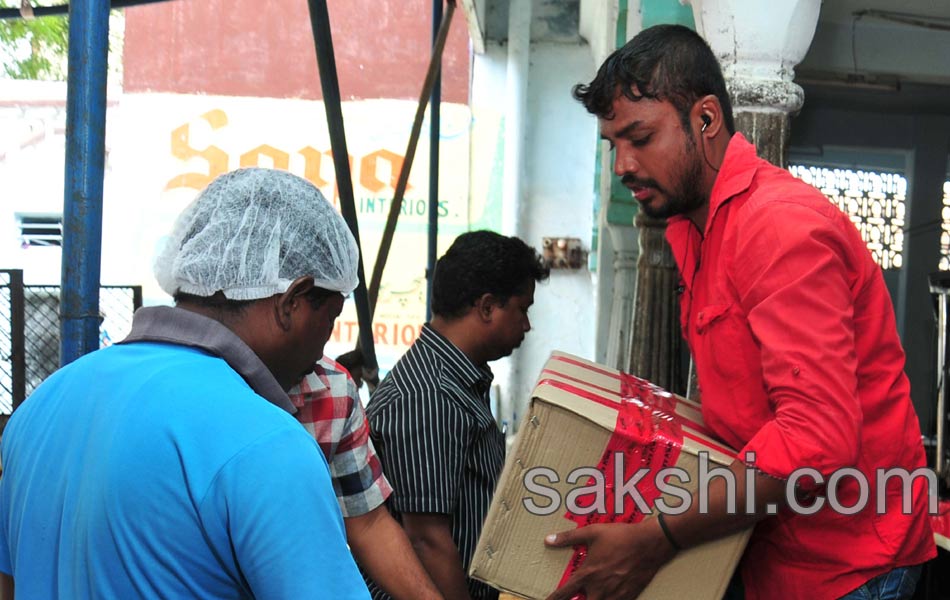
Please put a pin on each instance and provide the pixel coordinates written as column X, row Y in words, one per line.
column 726, row 343
column 728, row 362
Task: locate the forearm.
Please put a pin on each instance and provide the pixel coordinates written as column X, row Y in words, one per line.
column 623, row 559
column 724, row 515
column 384, row 552
column 444, row 565
column 431, row 537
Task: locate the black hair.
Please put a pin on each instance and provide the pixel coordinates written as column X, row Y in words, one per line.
column 217, row 302
column 226, row 307
column 318, row 295
column 665, row 62
column 483, row 262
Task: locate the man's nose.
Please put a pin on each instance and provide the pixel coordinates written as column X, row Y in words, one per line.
column 625, row 163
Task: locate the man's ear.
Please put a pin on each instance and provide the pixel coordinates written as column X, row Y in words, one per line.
column 708, row 112
column 285, row 304
column 484, row 306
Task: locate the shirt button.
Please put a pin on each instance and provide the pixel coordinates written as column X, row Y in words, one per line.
column 700, row 315
column 795, row 370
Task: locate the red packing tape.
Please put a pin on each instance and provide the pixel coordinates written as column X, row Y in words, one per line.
column 707, row 441
column 646, row 435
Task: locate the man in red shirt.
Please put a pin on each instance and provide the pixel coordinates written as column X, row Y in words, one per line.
column 794, row 338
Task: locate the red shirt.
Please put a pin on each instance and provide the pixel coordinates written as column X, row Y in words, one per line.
column 796, row 349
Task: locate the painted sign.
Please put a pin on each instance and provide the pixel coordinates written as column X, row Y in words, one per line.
column 164, row 148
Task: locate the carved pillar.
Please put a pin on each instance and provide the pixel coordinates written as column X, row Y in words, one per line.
column 623, row 238
column 758, row 45
column 657, row 346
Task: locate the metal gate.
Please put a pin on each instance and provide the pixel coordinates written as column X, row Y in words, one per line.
column 29, row 331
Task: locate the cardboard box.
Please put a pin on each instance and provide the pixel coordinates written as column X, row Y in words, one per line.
column 581, row 414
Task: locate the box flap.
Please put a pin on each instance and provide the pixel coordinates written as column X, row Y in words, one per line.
column 594, row 392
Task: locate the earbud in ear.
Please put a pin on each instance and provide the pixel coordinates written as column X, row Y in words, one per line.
column 706, row 121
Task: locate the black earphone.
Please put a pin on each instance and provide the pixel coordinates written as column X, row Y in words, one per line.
column 706, row 119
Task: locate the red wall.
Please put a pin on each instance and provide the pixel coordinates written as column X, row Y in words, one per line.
column 255, row 48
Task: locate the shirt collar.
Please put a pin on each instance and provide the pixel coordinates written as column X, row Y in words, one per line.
column 456, row 361
column 735, row 176
column 735, row 173
column 187, row 328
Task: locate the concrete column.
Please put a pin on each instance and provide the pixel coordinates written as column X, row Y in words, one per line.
column 513, row 180
column 515, row 103
column 623, row 239
column 759, row 44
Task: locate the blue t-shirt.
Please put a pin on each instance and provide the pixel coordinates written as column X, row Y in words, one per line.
column 152, row 470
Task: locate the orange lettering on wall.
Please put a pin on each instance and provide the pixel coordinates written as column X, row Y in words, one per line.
column 379, row 332
column 369, row 170
column 279, row 158
column 312, row 163
column 345, row 331
column 337, row 328
column 409, row 334
column 216, row 158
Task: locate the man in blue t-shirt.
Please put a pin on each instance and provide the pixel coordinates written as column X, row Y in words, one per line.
column 169, row 465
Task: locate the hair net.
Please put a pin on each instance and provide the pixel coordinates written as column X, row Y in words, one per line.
column 251, row 233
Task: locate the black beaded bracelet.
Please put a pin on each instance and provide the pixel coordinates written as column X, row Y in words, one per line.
column 666, row 532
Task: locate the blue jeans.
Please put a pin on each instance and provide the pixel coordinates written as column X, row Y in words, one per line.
column 898, row 584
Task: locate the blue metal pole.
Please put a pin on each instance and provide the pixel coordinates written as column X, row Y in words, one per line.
column 62, row 9
column 85, row 164
column 435, row 104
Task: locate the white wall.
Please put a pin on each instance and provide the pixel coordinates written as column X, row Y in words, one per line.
column 32, row 173
column 31, row 179
column 558, row 199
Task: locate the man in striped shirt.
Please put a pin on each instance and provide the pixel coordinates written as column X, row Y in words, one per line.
column 430, row 418
column 328, row 406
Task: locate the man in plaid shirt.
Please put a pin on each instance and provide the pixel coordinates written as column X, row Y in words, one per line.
column 329, row 408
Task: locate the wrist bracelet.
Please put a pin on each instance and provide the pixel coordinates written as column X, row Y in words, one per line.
column 666, row 532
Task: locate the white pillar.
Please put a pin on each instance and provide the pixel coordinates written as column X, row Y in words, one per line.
column 516, row 102
column 758, row 45
column 512, row 194
column 623, row 239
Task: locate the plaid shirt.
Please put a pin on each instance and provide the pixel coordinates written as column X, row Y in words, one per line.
column 328, row 406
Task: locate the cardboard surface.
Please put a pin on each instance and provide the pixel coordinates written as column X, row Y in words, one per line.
column 572, row 417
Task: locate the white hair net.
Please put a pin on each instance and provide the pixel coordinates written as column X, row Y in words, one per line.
column 251, row 233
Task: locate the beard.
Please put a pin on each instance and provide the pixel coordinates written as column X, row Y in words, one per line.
column 686, row 194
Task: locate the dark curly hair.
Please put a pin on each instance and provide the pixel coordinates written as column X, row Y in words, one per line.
column 226, row 308
column 483, row 262
column 664, row 62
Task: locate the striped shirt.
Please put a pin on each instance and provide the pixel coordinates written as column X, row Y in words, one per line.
column 442, row 451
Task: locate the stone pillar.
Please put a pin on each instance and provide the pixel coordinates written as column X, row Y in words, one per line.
column 768, row 130
column 623, row 239
column 758, row 45
column 657, row 347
